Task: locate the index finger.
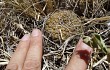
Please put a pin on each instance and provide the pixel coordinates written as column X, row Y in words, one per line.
column 34, row 55
column 18, row 58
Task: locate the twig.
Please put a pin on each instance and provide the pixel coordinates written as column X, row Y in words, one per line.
column 100, row 61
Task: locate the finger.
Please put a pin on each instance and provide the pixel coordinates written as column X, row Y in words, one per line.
column 18, row 57
column 34, row 56
column 80, row 57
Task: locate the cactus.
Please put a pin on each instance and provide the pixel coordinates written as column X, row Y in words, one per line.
column 63, row 24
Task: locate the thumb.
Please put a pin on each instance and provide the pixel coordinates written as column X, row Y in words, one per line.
column 80, row 58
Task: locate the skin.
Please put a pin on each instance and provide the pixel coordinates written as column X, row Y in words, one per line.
column 80, row 57
column 28, row 55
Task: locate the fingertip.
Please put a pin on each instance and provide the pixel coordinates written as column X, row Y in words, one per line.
column 25, row 37
column 80, row 57
column 82, row 46
column 86, row 47
column 80, row 41
column 84, row 51
column 36, row 38
column 36, row 32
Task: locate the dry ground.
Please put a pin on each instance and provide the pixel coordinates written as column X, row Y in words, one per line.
column 18, row 17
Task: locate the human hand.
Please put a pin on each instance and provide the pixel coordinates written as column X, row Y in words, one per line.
column 28, row 55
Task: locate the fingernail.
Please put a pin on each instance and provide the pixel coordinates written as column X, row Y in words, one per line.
column 25, row 37
column 35, row 32
column 86, row 47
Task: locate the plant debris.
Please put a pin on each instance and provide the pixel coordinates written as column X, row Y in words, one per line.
column 19, row 17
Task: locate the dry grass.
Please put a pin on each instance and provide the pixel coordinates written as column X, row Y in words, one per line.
column 18, row 17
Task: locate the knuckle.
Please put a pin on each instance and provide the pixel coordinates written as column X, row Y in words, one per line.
column 12, row 67
column 31, row 65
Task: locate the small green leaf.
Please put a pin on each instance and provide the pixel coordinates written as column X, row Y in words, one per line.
column 86, row 39
column 108, row 50
column 97, row 39
column 108, row 54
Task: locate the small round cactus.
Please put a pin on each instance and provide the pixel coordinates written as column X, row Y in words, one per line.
column 63, row 24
